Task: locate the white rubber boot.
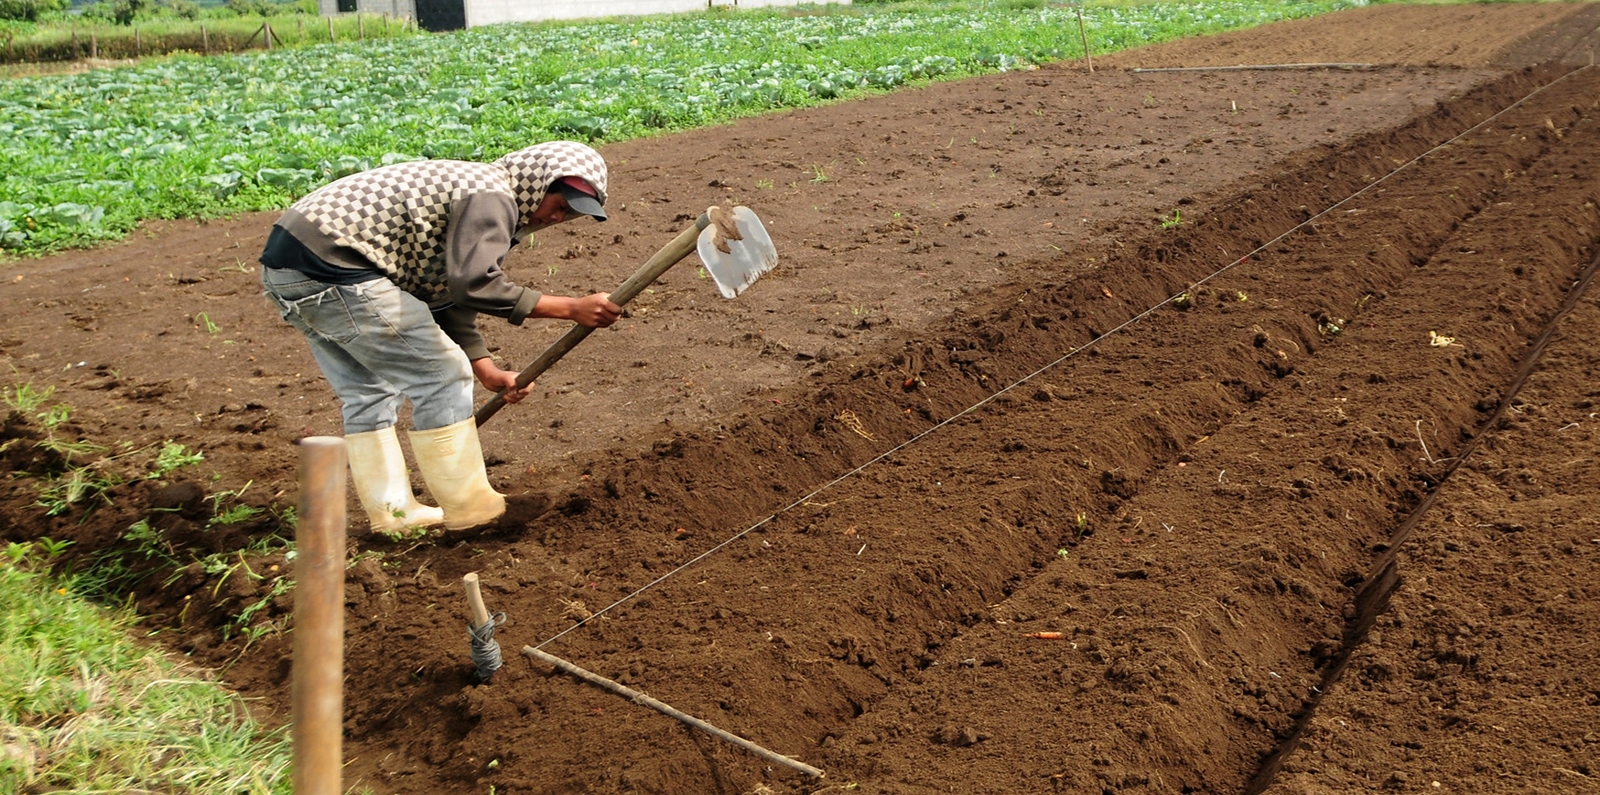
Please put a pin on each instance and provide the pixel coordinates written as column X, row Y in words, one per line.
column 378, row 471
column 451, row 462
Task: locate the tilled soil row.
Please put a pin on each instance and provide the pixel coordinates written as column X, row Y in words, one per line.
column 1205, row 625
column 1498, row 692
column 1074, row 503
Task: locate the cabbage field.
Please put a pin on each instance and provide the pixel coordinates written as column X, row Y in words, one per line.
column 86, row 157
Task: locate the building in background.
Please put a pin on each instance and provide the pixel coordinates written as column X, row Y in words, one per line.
column 457, row 14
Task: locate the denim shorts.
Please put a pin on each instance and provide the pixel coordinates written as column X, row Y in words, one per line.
column 376, row 344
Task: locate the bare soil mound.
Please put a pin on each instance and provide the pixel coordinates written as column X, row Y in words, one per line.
column 1178, row 431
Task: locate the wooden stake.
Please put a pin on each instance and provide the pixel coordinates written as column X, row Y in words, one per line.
column 480, row 613
column 94, row 46
column 205, row 40
column 136, row 45
column 317, row 673
column 1085, row 37
column 361, row 26
column 646, row 701
column 330, row 30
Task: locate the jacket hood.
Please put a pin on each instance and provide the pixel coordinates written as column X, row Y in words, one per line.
column 535, row 168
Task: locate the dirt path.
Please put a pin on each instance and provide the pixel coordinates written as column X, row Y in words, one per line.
column 1208, row 503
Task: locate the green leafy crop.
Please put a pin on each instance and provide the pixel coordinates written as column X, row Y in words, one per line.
column 87, row 156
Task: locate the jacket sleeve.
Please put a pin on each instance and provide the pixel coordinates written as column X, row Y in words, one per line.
column 476, row 242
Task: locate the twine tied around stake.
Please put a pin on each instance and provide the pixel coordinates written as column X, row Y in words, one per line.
column 485, row 649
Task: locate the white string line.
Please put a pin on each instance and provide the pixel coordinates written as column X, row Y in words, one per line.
column 1069, row 354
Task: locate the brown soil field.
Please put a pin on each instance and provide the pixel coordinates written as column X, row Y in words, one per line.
column 1272, row 391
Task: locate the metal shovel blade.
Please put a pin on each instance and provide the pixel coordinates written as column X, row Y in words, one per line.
column 736, row 250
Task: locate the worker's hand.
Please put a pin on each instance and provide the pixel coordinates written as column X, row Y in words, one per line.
column 595, row 311
column 495, row 379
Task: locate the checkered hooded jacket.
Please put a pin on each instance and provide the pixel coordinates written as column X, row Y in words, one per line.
column 397, row 216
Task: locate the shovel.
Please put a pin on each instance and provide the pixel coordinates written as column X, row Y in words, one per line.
column 732, row 244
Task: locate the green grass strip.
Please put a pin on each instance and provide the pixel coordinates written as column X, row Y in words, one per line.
column 85, row 709
column 74, row 37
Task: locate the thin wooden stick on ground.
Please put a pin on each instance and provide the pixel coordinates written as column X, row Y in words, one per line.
column 644, row 700
column 1247, row 67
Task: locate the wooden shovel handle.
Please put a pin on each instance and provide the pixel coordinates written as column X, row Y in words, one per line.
column 667, row 257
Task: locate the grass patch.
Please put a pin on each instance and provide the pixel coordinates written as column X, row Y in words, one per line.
column 74, row 38
column 84, row 708
column 72, row 471
column 76, row 477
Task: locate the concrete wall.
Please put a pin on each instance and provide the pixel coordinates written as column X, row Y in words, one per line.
column 490, row 12
column 394, row 8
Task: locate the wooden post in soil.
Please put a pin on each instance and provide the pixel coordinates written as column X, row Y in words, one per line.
column 317, row 679
column 485, row 651
column 205, row 40
column 94, row 46
column 480, row 613
column 262, row 31
column 1085, row 37
column 330, row 30
column 361, row 26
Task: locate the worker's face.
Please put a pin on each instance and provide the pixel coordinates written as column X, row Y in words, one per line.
column 553, row 210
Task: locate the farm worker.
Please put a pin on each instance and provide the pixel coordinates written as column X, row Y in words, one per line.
column 386, row 271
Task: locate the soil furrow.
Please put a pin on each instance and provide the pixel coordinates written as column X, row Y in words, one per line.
column 1372, row 602
column 1504, row 535
column 1210, row 676
column 1491, row 691
column 1551, row 198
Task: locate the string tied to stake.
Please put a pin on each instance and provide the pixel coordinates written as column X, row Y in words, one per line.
column 485, row 649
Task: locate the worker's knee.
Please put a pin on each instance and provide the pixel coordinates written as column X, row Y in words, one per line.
column 446, row 400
